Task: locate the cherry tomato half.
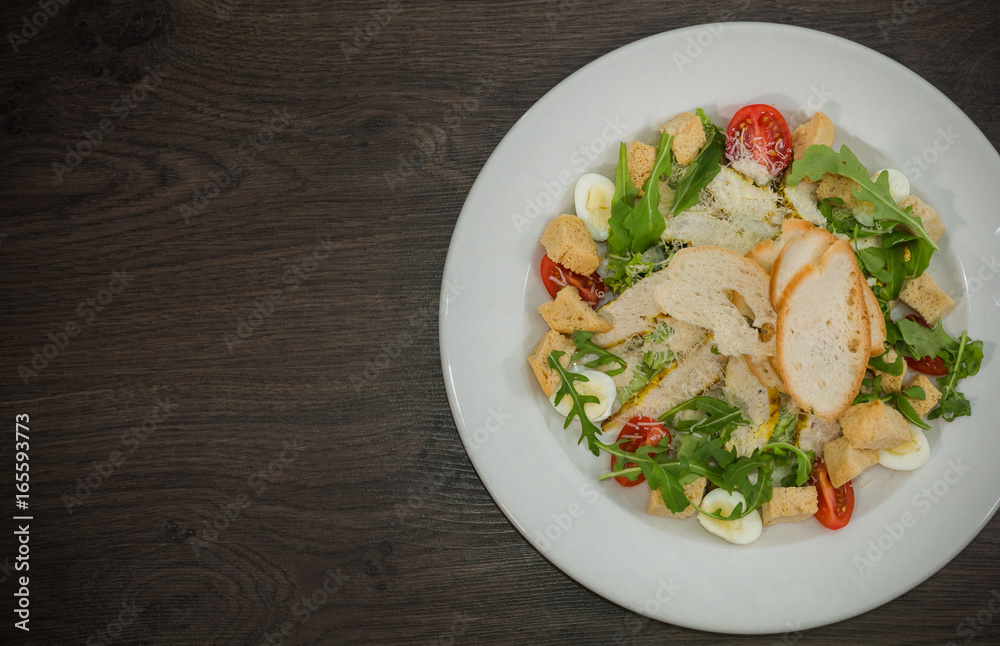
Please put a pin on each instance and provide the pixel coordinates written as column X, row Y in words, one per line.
column 555, row 277
column 760, row 131
column 639, row 431
column 835, row 505
column 933, row 366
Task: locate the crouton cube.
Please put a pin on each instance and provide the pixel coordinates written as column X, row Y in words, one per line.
column 548, row 378
column 689, row 136
column 839, row 186
column 844, row 462
column 928, row 216
column 926, row 298
column 567, row 241
column 641, row 158
column 874, row 425
column 790, row 505
column 891, row 383
column 694, row 490
column 568, row 312
column 931, row 395
column 818, row 130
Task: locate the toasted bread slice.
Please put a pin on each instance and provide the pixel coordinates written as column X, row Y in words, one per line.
column 767, row 375
column 800, row 252
column 765, row 252
column 876, row 320
column 824, row 334
column 698, row 289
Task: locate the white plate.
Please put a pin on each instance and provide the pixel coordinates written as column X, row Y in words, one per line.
column 906, row 525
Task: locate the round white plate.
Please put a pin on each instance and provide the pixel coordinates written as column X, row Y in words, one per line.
column 906, row 525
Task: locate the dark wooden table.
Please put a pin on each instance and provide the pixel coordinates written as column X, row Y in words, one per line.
column 221, row 257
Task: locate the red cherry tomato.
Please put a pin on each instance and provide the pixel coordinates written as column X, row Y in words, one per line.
column 555, row 277
column 761, row 132
column 933, row 366
column 835, row 505
column 639, row 431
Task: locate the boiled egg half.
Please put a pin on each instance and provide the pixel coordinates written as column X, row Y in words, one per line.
column 593, row 197
column 739, row 532
column 599, row 385
column 912, row 455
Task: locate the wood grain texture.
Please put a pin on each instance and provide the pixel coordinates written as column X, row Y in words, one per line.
column 218, row 378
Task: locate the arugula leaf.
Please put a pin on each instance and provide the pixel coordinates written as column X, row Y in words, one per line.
column 968, row 358
column 652, row 363
column 784, row 430
column 923, row 342
column 820, row 159
column 589, row 430
column 893, row 369
column 644, row 222
column 906, row 408
column 585, row 346
column 699, row 172
column 628, row 269
column 624, row 197
column 718, row 417
column 786, row 453
column 706, row 123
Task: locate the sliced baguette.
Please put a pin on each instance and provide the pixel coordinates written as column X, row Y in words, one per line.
column 633, row 312
column 804, row 250
column 824, row 334
column 765, row 252
column 876, row 320
column 698, row 290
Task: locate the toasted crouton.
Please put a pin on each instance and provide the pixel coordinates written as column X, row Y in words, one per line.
column 790, row 505
column 824, row 334
column 694, row 490
column 842, row 187
column 874, row 425
column 844, row 462
column 567, row 241
column 926, row 298
column 548, row 378
column 928, row 216
column 818, row 130
column 689, row 136
column 568, row 312
column 931, row 395
column 641, row 158
column 891, row 383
